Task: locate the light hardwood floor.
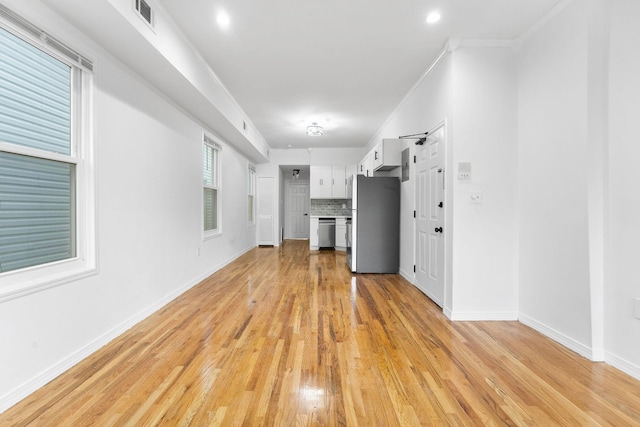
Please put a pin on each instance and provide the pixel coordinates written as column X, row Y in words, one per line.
column 285, row 337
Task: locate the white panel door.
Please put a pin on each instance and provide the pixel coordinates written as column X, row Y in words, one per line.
column 266, row 191
column 430, row 216
column 298, row 211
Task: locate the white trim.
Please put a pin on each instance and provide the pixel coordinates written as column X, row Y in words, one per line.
column 623, row 365
column 34, row 152
column 28, row 287
column 546, row 18
column 409, row 277
column 41, row 379
column 580, row 348
column 483, row 316
column 489, row 43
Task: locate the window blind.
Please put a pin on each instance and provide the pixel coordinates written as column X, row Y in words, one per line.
column 35, row 97
column 36, row 211
column 37, row 194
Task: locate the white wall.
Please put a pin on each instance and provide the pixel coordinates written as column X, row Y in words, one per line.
column 553, row 179
column 149, row 200
column 335, row 156
column 484, row 134
column 622, row 329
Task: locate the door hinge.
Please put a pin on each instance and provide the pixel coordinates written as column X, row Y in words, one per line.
column 414, row 159
column 414, row 214
column 414, row 268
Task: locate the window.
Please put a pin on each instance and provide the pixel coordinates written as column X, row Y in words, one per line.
column 211, row 181
column 251, row 192
column 45, row 215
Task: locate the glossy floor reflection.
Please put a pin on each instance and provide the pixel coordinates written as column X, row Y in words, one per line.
column 285, row 337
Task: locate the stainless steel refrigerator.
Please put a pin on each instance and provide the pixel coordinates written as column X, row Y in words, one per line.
column 373, row 236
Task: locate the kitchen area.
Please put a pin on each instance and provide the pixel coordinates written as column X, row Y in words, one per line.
column 356, row 209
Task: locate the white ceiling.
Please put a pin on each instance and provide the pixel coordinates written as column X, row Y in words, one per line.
column 290, row 62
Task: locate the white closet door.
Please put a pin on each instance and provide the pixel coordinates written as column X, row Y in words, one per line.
column 266, row 191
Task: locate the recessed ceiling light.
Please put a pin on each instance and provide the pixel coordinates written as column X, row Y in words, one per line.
column 433, row 17
column 223, row 19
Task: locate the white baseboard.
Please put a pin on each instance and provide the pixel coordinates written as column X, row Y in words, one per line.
column 583, row 350
column 447, row 312
column 44, row 377
column 623, row 365
column 570, row 343
column 482, row 316
column 430, row 296
column 409, row 277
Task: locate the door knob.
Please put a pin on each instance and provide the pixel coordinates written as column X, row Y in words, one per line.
column 438, row 230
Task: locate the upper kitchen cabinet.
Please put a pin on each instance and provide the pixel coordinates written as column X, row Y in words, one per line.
column 365, row 167
column 329, row 182
column 387, row 155
column 321, row 184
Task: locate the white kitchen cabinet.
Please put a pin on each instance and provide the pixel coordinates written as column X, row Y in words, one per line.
column 362, row 167
column 328, row 182
column 369, row 163
column 339, row 182
column 321, row 184
column 313, row 233
column 387, row 155
column 341, row 234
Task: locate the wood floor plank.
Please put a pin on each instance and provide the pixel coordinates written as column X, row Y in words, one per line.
column 288, row 337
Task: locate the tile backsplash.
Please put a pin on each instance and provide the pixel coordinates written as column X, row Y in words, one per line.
column 331, row 207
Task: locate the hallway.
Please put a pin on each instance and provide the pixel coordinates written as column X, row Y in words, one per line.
column 284, row 337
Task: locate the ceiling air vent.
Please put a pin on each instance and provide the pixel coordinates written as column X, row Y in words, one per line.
column 144, row 10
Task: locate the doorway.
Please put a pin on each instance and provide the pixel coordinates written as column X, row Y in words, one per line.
column 430, row 214
column 297, row 211
column 295, row 201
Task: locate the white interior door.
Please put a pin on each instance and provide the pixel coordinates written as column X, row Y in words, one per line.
column 298, row 211
column 266, row 191
column 430, row 161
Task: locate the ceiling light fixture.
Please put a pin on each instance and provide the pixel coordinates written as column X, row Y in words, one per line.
column 296, row 173
column 433, row 17
column 314, row 129
column 223, row 20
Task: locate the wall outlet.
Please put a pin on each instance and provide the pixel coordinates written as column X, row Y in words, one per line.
column 636, row 308
column 475, row 197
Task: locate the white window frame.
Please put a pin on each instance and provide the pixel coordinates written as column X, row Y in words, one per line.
column 213, row 143
column 21, row 282
column 251, row 195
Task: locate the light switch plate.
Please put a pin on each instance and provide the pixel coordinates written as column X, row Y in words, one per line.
column 464, row 171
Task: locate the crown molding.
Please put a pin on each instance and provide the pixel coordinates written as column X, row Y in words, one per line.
column 552, row 13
